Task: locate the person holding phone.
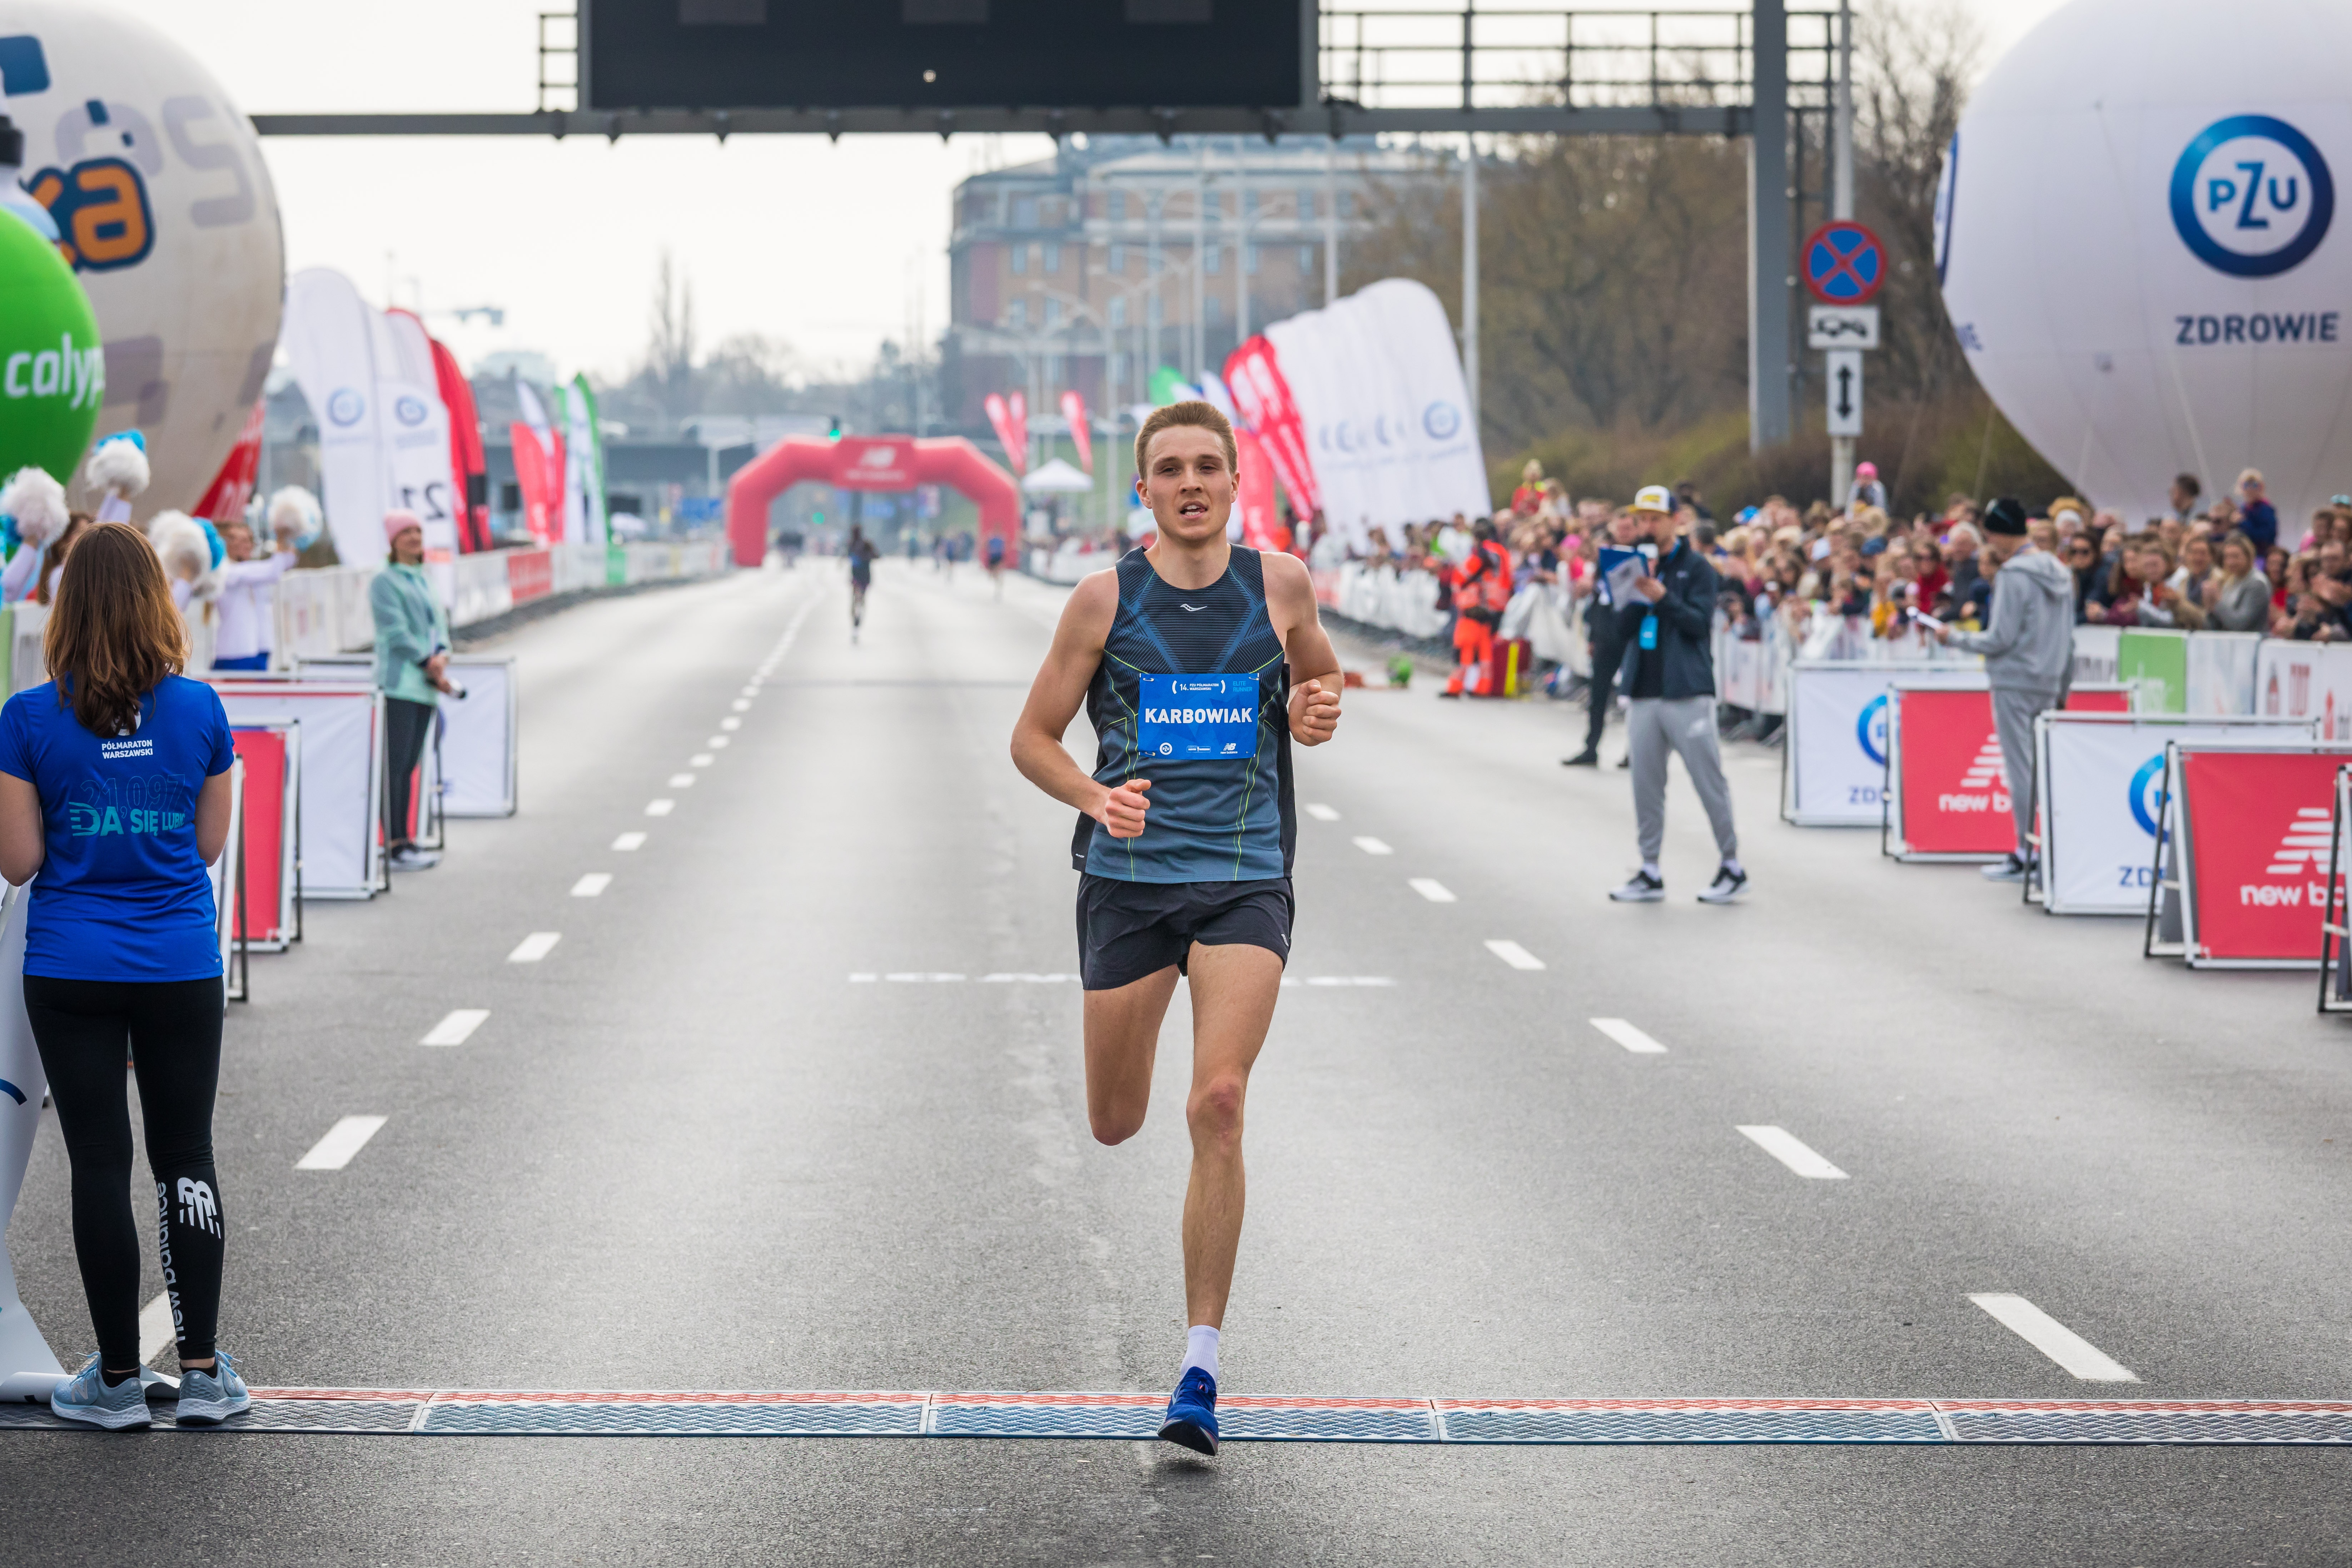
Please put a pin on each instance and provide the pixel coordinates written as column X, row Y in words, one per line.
column 412, row 669
column 115, row 791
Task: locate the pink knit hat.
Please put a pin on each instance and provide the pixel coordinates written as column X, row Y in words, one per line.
column 396, row 522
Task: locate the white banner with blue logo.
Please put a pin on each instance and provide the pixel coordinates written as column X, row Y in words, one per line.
column 1837, row 758
column 2100, row 779
column 2138, row 252
column 329, row 338
column 1380, row 390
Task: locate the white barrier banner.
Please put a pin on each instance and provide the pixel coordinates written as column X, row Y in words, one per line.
column 1836, row 752
column 2100, row 778
column 341, row 775
column 2221, row 673
column 2094, row 655
column 478, row 739
column 2306, row 681
column 28, row 1367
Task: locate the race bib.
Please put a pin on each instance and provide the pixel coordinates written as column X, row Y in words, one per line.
column 1196, row 716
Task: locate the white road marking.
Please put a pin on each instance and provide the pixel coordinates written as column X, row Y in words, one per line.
column 1430, row 888
column 1785, row 1147
column 717, row 743
column 591, row 884
column 534, row 947
column 1373, row 846
column 740, row 706
column 629, row 841
column 1321, row 813
column 156, row 1328
column 730, row 722
column 920, row 977
column 1512, row 953
column 660, row 807
column 864, row 978
column 1022, row 978
column 700, row 760
column 753, row 689
column 1626, row 1034
column 343, row 1139
column 458, row 1028
column 2053, row 1338
column 681, row 781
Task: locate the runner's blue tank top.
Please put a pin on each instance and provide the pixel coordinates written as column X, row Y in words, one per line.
column 1193, row 694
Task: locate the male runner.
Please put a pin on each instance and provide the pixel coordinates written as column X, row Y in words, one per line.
column 1184, row 655
column 861, row 576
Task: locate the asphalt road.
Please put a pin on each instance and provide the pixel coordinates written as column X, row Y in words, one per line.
column 687, row 1149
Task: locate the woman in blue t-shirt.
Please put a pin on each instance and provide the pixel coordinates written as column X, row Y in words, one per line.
column 115, row 787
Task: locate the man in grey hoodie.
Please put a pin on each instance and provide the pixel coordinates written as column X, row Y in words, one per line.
column 2029, row 648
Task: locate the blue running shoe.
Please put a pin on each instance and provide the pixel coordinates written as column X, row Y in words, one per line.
column 84, row 1397
column 208, row 1397
column 1193, row 1413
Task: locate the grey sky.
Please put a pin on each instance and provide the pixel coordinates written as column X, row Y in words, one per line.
column 828, row 247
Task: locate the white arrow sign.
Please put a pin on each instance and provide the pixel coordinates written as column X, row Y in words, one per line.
column 1843, row 381
column 1841, row 327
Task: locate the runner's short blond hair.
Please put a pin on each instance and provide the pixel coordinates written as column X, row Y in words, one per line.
column 1198, row 414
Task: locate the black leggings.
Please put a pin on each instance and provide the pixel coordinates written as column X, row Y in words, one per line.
column 405, row 726
column 172, row 1031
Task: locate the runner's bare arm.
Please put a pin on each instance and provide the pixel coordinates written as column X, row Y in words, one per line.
column 1313, row 664
column 1054, row 700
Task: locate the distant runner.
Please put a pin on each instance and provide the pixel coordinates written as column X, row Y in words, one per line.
column 996, row 563
column 1183, row 656
column 861, row 577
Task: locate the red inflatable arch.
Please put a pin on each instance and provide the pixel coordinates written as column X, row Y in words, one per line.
column 867, row 463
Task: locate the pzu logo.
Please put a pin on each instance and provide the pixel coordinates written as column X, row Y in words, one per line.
column 1870, row 729
column 2251, row 196
column 2144, row 793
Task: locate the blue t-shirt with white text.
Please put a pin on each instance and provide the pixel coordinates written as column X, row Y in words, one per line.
column 122, row 893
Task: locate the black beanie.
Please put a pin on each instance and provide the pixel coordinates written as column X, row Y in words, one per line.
column 2006, row 515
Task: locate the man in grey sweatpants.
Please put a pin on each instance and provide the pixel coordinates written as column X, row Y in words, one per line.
column 1669, row 677
column 2029, row 648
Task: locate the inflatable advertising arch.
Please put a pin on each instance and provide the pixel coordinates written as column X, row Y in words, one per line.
column 867, row 463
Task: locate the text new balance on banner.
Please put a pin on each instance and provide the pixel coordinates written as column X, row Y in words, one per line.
column 2099, row 781
column 2253, row 826
column 1948, row 795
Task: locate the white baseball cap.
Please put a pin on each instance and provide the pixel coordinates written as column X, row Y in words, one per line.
column 1654, row 498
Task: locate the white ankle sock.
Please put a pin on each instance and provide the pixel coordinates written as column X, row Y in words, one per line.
column 1650, row 869
column 1200, row 1350
column 1732, row 866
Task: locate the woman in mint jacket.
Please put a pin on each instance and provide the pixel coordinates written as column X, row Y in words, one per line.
column 412, row 669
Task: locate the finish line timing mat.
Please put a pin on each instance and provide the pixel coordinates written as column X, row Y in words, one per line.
column 1244, row 1418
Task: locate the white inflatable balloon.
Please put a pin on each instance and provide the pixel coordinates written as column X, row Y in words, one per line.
column 2139, row 247
column 156, row 182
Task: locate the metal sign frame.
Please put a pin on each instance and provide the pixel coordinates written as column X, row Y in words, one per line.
column 2180, row 836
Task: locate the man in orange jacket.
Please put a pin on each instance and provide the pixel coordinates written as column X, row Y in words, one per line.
column 1482, row 588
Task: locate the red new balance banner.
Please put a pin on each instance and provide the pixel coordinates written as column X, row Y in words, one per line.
column 1949, row 775
column 224, row 498
column 2257, row 849
column 261, row 897
column 1074, row 415
column 1263, row 395
column 1253, row 497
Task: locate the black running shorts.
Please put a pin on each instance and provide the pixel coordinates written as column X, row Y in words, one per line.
column 1129, row 930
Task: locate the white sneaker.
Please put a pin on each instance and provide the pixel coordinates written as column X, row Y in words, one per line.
column 1644, row 889
column 1727, row 885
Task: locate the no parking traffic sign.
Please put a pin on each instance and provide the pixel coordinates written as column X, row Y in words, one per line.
column 1844, row 263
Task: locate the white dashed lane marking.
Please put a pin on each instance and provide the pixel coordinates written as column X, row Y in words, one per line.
column 458, row 1028
column 343, row 1139
column 681, row 781
column 534, row 947
column 1321, row 813
column 591, row 885
column 1791, row 1152
column 1430, row 888
column 629, row 841
column 717, row 743
column 1626, row 1034
column 660, row 807
column 1374, row 845
column 701, row 759
column 1512, row 953
column 740, row 706
column 730, row 723
column 2054, row 1339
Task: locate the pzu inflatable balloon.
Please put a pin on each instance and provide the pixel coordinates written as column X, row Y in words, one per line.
column 2139, row 247
column 166, row 214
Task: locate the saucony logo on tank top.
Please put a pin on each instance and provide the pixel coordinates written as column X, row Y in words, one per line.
column 1193, row 694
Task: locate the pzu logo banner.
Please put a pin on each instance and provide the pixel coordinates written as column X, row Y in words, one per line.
column 2251, row 196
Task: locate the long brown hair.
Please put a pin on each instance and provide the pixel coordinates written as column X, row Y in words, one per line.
column 113, row 633
column 77, row 524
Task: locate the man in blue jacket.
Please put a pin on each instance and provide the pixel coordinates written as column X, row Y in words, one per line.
column 1669, row 679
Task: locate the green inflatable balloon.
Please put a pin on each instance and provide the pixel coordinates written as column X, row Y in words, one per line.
column 52, row 366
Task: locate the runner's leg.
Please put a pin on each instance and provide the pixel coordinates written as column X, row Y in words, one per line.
column 1235, row 988
column 1122, row 1032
